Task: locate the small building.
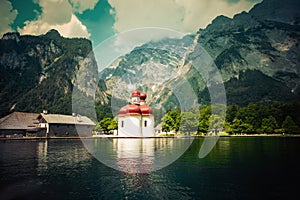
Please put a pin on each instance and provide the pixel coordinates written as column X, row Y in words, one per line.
column 18, row 124
column 136, row 119
column 66, row 125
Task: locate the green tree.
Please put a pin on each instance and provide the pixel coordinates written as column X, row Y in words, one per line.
column 238, row 126
column 247, row 128
column 171, row 120
column 97, row 127
column 189, row 122
column 203, row 126
column 231, row 112
column 113, row 125
column 289, row 126
column 216, row 121
column 205, row 113
column 269, row 124
column 235, row 126
column 253, row 114
column 106, row 124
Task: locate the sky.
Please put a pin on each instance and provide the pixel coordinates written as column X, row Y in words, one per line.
column 99, row 20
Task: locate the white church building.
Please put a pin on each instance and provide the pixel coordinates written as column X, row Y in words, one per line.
column 136, row 119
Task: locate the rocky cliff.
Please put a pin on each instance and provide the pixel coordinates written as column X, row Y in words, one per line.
column 39, row 72
column 257, row 54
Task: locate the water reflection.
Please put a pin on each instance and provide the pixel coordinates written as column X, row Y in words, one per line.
column 237, row 168
column 137, row 155
column 42, row 150
column 153, row 186
column 57, row 153
column 223, row 145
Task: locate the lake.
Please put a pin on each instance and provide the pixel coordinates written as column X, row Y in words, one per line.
column 236, row 168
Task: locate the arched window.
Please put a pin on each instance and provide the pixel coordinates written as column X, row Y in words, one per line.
column 122, row 123
column 145, row 123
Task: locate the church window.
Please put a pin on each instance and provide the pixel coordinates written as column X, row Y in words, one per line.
column 145, row 123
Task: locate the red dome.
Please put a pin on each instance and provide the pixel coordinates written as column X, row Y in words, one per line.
column 123, row 110
column 131, row 109
column 135, row 93
column 143, row 96
column 146, row 110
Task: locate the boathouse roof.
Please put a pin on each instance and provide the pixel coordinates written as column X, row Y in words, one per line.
column 66, row 119
column 19, row 121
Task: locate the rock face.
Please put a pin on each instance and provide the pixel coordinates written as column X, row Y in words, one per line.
column 38, row 72
column 257, row 54
column 265, row 40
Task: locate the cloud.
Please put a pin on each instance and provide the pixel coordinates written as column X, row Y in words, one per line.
column 74, row 28
column 181, row 15
column 56, row 14
column 120, row 44
column 79, row 6
column 56, row 11
column 132, row 14
column 125, row 42
column 7, row 16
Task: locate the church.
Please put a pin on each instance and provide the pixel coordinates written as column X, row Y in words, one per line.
column 136, row 119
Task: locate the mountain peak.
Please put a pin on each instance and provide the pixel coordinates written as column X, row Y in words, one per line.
column 53, row 34
column 11, row 36
column 277, row 10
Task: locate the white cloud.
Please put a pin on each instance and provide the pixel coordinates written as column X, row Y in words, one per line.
column 56, row 14
column 7, row 16
column 181, row 15
column 56, row 11
column 120, row 44
column 79, row 6
column 132, row 14
column 74, row 28
column 126, row 41
column 198, row 14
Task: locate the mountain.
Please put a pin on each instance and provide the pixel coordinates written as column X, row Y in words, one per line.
column 39, row 72
column 257, row 54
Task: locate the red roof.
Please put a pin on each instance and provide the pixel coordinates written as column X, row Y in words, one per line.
column 146, row 110
column 143, row 96
column 134, row 109
column 131, row 109
column 135, row 93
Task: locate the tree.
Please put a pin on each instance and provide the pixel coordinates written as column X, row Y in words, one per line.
column 235, row 126
column 216, row 121
column 106, row 124
column 203, row 126
column 238, row 126
column 252, row 114
column 113, row 125
column 231, row 112
column 205, row 113
column 189, row 122
column 171, row 120
column 269, row 124
column 289, row 126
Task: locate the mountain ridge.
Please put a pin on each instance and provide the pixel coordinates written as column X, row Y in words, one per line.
column 39, row 72
column 249, row 43
column 256, row 54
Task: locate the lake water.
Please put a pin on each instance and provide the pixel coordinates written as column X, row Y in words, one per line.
column 236, row 168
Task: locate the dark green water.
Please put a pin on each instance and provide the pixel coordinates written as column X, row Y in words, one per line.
column 237, row 168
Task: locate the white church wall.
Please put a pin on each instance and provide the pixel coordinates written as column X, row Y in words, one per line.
column 129, row 126
column 148, row 126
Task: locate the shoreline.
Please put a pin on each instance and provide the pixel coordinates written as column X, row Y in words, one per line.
column 116, row 137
